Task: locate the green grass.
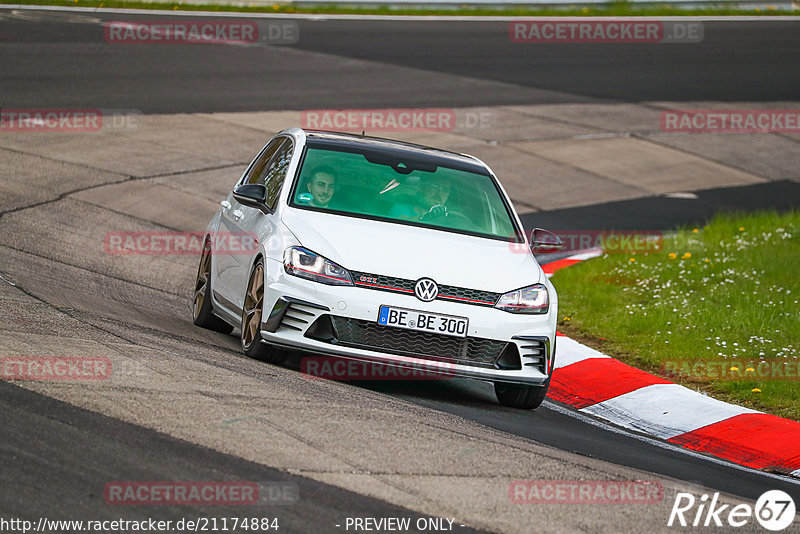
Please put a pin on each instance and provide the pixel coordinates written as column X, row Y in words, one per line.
column 616, row 8
column 727, row 292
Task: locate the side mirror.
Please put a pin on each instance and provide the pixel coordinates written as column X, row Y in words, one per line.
column 252, row 195
column 544, row 242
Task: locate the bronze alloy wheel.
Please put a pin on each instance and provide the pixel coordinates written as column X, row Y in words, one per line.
column 202, row 312
column 253, row 305
column 203, row 275
column 252, row 312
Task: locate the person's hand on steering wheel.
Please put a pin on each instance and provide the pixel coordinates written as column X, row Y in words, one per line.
column 436, row 211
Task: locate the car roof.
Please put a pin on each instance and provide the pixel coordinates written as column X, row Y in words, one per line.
column 400, row 149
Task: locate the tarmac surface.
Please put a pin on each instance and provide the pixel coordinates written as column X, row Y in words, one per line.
column 64, row 60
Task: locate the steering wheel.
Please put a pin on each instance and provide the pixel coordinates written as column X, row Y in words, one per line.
column 453, row 219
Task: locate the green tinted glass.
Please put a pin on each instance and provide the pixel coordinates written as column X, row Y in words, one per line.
column 347, row 183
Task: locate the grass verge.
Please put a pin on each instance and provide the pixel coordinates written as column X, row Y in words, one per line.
column 716, row 309
column 614, row 8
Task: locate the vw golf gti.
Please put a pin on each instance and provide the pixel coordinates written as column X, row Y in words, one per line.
column 384, row 252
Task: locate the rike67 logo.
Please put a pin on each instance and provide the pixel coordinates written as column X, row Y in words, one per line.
column 774, row 511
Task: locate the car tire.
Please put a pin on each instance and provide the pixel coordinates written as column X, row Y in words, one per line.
column 252, row 311
column 202, row 309
column 523, row 397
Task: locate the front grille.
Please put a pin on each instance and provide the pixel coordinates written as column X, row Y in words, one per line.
column 474, row 351
column 402, row 285
column 470, row 296
column 383, row 283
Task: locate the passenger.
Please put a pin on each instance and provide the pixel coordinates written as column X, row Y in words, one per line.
column 321, row 186
column 429, row 203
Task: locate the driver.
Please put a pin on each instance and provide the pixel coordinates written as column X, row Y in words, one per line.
column 429, row 203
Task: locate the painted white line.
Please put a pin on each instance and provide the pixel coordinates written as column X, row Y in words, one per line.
column 586, row 255
column 583, row 418
column 433, row 18
column 601, row 135
column 685, row 195
column 569, row 351
column 665, row 410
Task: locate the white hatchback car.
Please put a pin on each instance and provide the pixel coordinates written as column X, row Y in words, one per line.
column 382, row 251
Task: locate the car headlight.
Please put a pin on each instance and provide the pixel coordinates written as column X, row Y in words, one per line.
column 533, row 299
column 301, row 262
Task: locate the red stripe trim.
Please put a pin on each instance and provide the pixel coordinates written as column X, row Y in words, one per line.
column 391, row 288
column 594, row 380
column 320, row 274
column 384, row 287
column 466, row 299
column 553, row 266
column 755, row 440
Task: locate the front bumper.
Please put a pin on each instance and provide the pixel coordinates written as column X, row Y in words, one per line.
column 500, row 347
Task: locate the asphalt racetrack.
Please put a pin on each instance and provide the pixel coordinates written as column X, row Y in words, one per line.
column 69, row 64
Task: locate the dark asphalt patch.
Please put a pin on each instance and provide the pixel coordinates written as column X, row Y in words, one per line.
column 55, row 460
column 666, row 213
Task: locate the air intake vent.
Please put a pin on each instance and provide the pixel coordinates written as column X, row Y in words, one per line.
column 534, row 352
column 291, row 313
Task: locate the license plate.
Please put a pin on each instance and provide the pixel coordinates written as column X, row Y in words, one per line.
column 433, row 323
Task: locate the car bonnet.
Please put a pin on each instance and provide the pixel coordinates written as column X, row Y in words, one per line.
column 411, row 252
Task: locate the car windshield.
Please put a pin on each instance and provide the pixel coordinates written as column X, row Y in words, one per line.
column 393, row 188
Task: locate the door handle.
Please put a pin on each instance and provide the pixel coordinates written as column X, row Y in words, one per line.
column 237, row 214
column 225, row 204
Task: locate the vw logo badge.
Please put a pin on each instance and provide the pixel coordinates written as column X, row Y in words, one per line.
column 426, row 289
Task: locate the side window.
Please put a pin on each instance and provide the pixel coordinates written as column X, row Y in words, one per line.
column 257, row 170
column 276, row 172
